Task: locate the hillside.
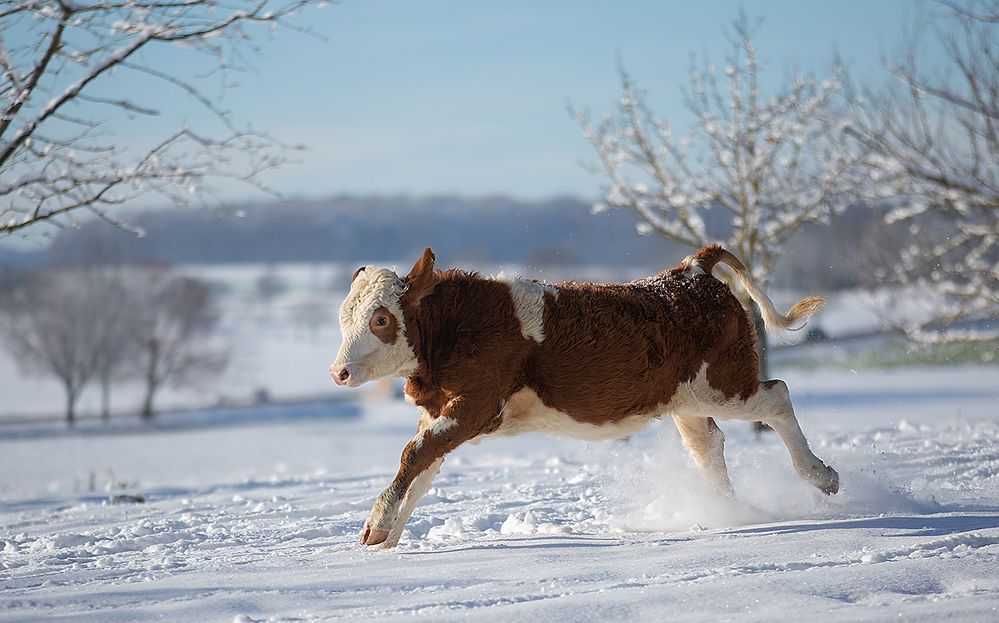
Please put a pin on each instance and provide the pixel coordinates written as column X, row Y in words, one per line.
column 560, row 231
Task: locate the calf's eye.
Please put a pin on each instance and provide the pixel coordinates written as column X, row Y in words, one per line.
column 381, row 321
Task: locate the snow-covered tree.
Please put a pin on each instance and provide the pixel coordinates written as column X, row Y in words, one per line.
column 103, row 324
column 933, row 133
column 771, row 161
column 62, row 101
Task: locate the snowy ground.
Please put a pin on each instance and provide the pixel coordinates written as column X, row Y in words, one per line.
column 255, row 516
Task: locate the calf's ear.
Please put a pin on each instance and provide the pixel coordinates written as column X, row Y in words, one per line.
column 421, row 278
column 356, row 273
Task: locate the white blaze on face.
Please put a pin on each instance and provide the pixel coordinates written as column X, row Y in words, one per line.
column 362, row 352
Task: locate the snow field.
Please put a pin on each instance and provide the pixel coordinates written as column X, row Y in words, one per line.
column 258, row 521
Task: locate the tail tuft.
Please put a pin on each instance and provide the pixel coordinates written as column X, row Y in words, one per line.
column 802, row 310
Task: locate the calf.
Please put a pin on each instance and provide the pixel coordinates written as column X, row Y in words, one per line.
column 503, row 356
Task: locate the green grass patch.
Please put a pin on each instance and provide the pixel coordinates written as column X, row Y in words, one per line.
column 893, row 354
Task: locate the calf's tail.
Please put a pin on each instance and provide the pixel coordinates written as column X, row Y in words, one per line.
column 794, row 319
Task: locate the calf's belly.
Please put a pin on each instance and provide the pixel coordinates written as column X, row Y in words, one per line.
column 525, row 412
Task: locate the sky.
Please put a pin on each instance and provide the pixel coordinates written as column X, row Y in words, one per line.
column 470, row 97
column 442, row 97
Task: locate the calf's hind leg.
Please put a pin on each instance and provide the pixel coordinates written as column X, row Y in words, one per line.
column 706, row 444
column 772, row 406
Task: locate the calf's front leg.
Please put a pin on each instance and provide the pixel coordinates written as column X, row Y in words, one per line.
column 460, row 420
column 421, row 484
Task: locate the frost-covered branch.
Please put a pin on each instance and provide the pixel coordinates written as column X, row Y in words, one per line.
column 934, row 141
column 59, row 108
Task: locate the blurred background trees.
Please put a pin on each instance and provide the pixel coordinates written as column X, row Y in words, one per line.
column 107, row 324
column 920, row 150
column 56, row 323
column 171, row 330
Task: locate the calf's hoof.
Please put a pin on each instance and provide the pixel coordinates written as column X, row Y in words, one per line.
column 372, row 536
column 830, row 485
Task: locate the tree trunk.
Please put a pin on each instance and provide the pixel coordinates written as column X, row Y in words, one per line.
column 106, row 397
column 151, row 383
column 147, row 401
column 70, row 404
column 762, row 342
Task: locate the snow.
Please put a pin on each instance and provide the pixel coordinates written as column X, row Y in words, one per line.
column 254, row 515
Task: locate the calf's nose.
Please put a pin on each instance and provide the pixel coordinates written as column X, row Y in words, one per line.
column 340, row 375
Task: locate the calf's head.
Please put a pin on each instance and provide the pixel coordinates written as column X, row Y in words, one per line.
column 375, row 343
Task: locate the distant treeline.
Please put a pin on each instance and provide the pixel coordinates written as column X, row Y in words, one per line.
column 559, row 231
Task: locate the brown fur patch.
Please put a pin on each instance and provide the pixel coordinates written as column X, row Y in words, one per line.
column 386, row 332
column 465, row 335
column 615, row 350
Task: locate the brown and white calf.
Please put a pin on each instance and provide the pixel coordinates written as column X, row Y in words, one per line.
column 502, row 356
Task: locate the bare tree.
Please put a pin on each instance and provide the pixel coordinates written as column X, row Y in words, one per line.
column 116, row 349
column 270, row 285
column 54, row 322
column 311, row 313
column 933, row 134
column 60, row 62
column 771, row 163
column 173, row 320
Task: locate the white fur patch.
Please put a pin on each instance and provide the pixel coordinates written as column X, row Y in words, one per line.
column 526, row 413
column 437, row 427
column 425, row 419
column 529, row 304
column 372, row 288
column 441, row 425
column 694, row 265
column 698, row 398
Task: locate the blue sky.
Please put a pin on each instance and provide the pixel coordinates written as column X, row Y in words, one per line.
column 429, row 96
